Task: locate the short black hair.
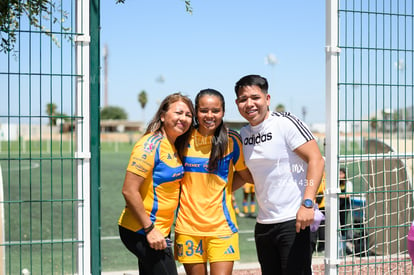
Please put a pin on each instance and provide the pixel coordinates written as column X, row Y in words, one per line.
column 252, row 80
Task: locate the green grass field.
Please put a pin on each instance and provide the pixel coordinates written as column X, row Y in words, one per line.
column 40, row 210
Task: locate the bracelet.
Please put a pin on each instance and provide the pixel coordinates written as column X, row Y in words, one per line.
column 149, row 228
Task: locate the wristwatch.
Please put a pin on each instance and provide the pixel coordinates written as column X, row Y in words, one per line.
column 308, row 203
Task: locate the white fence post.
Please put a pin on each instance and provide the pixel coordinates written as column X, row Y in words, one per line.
column 82, row 154
column 331, row 150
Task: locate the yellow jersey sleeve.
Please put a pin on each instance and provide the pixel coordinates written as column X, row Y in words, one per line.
column 155, row 159
column 239, row 163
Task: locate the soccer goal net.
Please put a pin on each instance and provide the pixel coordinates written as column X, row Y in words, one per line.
column 379, row 209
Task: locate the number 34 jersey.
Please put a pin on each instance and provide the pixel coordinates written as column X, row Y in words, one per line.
column 205, row 207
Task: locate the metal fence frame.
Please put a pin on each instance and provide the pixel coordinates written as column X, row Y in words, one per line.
column 84, row 91
column 360, row 57
column 331, row 151
column 86, row 117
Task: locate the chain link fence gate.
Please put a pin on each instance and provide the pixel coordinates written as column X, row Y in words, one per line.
column 370, row 114
column 49, row 137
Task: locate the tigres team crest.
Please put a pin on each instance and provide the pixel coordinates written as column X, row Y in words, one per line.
column 149, row 147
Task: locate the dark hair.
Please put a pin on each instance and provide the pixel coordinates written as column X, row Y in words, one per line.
column 155, row 125
column 342, row 181
column 252, row 80
column 220, row 138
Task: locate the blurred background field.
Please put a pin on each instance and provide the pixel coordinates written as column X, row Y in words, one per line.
column 43, row 176
column 48, row 179
column 40, row 214
column 35, row 175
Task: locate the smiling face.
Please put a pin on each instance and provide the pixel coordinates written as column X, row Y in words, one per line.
column 210, row 114
column 253, row 104
column 177, row 120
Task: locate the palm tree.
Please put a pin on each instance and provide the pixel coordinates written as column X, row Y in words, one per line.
column 51, row 112
column 374, row 122
column 142, row 99
column 280, row 108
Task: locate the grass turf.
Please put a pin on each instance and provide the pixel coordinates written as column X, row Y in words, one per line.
column 41, row 216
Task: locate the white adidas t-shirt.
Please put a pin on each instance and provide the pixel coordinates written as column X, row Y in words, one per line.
column 279, row 173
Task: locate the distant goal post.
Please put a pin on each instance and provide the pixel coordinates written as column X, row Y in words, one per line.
column 381, row 202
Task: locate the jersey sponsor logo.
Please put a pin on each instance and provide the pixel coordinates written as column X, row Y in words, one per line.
column 178, row 175
column 230, row 250
column 202, row 141
column 141, row 160
column 191, row 164
column 257, row 139
column 138, row 167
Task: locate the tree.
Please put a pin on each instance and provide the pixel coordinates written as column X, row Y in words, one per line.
column 280, row 108
column 113, row 112
column 374, row 123
column 142, row 99
column 51, row 112
column 187, row 3
column 11, row 12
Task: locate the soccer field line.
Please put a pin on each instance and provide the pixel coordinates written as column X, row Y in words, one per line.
column 30, row 242
column 105, row 238
column 33, row 165
column 240, row 232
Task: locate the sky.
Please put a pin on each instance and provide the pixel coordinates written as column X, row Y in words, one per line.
column 216, row 45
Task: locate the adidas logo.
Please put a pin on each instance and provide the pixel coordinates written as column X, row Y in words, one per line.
column 229, row 250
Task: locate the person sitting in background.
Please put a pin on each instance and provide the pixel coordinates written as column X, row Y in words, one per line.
column 344, row 200
column 345, row 215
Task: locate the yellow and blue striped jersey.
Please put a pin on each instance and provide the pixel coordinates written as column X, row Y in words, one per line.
column 155, row 159
column 205, row 202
